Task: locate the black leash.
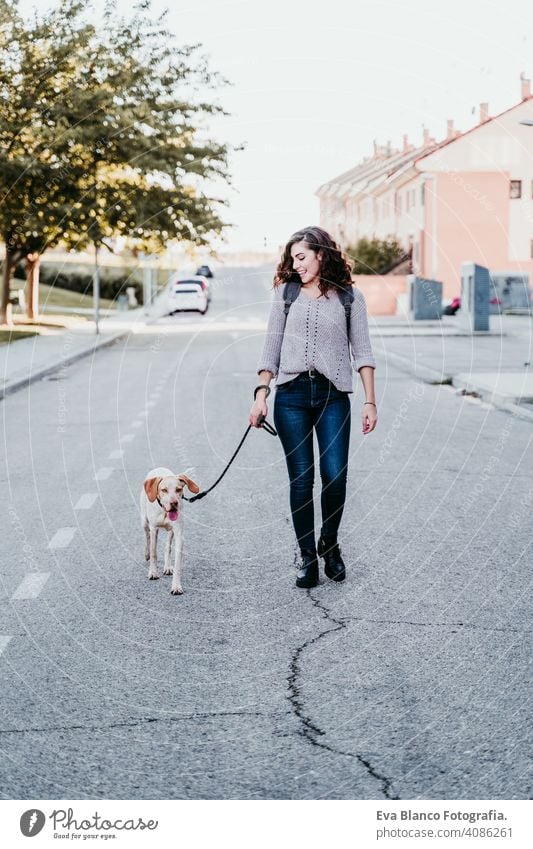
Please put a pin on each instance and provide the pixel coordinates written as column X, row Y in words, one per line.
column 263, row 424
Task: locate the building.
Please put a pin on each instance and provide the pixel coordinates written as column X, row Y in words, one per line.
column 466, row 198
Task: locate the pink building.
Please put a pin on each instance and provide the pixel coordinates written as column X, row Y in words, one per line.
column 466, row 198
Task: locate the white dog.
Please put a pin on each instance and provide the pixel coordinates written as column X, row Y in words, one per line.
column 161, row 508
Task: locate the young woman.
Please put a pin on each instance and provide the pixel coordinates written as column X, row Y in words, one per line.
column 308, row 351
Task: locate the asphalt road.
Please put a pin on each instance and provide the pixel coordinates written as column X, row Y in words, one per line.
column 408, row 681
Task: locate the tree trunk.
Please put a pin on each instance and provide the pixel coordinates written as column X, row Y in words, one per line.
column 10, row 262
column 32, row 265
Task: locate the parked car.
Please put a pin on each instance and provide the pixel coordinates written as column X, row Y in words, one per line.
column 188, row 293
column 204, row 271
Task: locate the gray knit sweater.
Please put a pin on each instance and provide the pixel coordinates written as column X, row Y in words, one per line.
column 315, row 337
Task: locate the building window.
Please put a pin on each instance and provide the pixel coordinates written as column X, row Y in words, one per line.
column 516, row 189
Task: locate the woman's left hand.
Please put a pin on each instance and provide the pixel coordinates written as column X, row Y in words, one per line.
column 370, row 418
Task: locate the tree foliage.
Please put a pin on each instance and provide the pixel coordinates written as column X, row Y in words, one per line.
column 374, row 256
column 103, row 132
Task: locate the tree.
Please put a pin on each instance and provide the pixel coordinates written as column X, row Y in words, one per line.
column 36, row 69
column 375, row 256
column 115, row 144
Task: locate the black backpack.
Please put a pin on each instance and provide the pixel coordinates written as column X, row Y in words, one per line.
column 292, row 290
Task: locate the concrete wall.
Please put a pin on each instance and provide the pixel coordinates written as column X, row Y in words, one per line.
column 381, row 291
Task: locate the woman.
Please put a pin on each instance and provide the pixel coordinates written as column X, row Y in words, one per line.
column 307, row 350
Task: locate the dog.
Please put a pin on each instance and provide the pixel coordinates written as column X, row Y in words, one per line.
column 160, row 503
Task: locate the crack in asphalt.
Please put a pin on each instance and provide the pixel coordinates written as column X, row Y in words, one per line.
column 132, row 723
column 310, row 731
column 473, row 626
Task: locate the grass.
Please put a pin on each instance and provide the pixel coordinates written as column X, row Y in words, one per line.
column 49, row 323
column 52, row 297
column 12, row 335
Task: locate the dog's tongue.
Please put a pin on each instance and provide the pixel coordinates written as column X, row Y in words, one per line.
column 172, row 515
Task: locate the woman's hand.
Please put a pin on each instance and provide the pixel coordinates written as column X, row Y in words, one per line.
column 370, row 418
column 259, row 408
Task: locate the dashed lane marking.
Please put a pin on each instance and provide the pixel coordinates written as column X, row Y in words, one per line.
column 128, row 438
column 3, row 642
column 103, row 474
column 62, row 538
column 86, row 501
column 31, row 585
column 137, row 423
column 116, row 455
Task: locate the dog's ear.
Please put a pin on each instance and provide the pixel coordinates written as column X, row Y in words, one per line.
column 150, row 488
column 190, row 483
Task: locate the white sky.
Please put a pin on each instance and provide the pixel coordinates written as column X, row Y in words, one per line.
column 315, row 82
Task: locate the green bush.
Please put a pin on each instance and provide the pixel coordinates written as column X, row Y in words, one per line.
column 112, row 283
column 374, row 256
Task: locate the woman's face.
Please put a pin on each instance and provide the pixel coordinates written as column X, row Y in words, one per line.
column 305, row 262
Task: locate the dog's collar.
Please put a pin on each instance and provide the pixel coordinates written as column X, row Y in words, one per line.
column 162, row 508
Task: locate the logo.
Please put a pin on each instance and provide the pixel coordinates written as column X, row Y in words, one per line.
column 31, row 822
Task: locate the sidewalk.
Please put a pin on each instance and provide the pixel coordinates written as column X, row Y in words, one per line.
column 27, row 360
column 496, row 366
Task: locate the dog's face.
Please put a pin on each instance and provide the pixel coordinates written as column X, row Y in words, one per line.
column 169, row 490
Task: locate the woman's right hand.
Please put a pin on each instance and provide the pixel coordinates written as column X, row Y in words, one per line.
column 259, row 408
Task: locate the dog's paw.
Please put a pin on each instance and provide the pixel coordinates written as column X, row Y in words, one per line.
column 153, row 577
column 176, row 591
column 168, row 572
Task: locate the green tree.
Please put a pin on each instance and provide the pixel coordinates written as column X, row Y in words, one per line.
column 115, row 144
column 375, row 256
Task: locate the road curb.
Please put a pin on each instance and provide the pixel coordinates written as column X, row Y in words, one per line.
column 434, row 377
column 423, row 373
column 13, row 386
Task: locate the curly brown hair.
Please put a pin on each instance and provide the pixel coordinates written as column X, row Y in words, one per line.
column 335, row 267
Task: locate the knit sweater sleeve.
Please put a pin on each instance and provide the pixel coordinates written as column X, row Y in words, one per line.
column 359, row 333
column 274, row 335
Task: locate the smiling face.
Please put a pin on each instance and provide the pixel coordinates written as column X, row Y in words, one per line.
column 306, row 262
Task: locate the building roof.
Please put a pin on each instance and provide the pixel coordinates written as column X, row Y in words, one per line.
column 376, row 172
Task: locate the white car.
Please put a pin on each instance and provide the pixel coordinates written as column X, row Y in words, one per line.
column 188, row 293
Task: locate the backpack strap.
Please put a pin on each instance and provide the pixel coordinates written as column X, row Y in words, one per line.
column 346, row 298
column 290, row 293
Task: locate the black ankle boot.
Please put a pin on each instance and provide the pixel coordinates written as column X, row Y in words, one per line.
column 307, row 576
column 333, row 563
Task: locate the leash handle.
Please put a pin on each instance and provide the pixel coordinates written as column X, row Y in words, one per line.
column 262, row 422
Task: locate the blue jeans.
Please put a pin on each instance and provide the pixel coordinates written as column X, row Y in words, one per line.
column 301, row 405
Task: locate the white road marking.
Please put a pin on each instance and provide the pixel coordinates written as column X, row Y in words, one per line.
column 137, row 423
column 62, row 538
column 103, row 474
column 3, row 643
column 116, row 455
column 149, row 404
column 144, row 413
column 128, row 438
column 31, row 585
column 86, row 501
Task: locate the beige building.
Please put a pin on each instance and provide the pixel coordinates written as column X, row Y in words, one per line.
column 468, row 197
